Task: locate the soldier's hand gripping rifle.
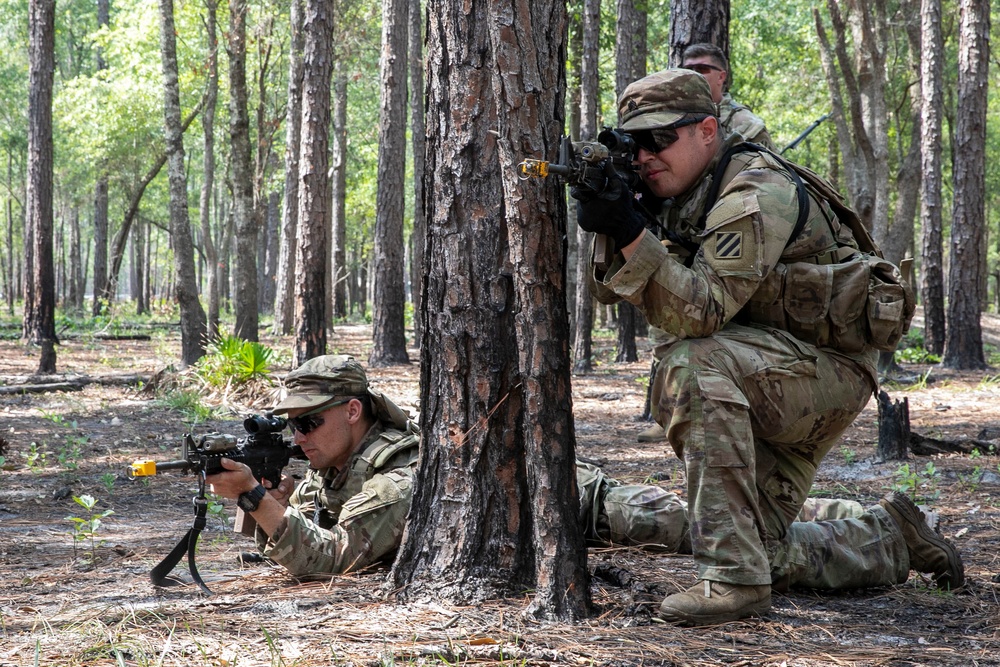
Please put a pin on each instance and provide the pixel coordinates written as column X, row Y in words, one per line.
column 590, row 166
column 263, row 450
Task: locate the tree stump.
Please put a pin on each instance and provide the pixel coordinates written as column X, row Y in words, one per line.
column 893, row 428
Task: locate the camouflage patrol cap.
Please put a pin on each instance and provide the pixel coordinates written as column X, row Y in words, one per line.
column 322, row 379
column 663, row 98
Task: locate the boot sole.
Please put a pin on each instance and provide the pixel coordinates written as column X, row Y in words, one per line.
column 757, row 609
column 956, row 571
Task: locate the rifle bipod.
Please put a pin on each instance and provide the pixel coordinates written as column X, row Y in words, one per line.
column 159, row 574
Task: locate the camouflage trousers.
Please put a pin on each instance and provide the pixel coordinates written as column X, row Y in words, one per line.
column 752, row 412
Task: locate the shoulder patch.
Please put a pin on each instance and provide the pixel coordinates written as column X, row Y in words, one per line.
column 729, row 245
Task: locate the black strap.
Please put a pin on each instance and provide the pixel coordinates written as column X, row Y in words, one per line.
column 746, row 147
column 159, row 575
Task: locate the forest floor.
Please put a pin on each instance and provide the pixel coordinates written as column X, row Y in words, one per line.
column 90, row 602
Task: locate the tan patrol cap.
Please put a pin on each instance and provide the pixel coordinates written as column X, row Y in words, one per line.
column 323, row 379
column 663, row 98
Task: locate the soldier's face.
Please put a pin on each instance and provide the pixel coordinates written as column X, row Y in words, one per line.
column 678, row 167
column 331, row 443
column 712, row 71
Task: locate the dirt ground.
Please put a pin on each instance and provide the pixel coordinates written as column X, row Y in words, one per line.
column 89, row 602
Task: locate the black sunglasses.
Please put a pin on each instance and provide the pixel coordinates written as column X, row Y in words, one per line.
column 659, row 138
column 703, row 68
column 310, row 421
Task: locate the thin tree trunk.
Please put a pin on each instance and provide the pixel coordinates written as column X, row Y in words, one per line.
column 192, row 314
column 963, row 348
column 39, row 321
column 208, row 184
column 589, row 108
column 284, row 306
column 418, row 133
column 388, row 331
column 244, row 211
column 339, row 275
column 931, row 245
column 630, row 66
column 76, row 286
column 314, row 191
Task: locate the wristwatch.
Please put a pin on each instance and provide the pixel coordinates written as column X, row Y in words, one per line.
column 250, row 501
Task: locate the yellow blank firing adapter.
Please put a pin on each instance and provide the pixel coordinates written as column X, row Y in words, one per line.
column 143, row 468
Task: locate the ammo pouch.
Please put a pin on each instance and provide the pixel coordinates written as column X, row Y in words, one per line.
column 858, row 303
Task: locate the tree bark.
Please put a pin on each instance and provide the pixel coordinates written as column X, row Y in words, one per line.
column 963, row 348
column 244, row 212
column 931, row 244
column 467, row 535
column 208, row 180
column 39, row 322
column 101, row 193
column 893, row 428
column 74, row 301
column 284, row 306
column 630, row 57
column 192, row 314
column 697, row 21
column 589, row 110
column 388, row 307
column 418, row 132
column 339, row 274
column 314, row 191
column 529, row 45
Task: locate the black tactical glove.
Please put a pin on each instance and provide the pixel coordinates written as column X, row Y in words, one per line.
column 612, row 212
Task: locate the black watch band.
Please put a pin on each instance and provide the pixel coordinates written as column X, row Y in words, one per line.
column 250, row 501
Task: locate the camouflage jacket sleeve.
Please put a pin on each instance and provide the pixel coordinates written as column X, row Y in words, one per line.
column 370, row 527
column 746, row 233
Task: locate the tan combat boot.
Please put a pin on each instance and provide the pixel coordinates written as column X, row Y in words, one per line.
column 711, row 602
column 654, row 433
column 929, row 552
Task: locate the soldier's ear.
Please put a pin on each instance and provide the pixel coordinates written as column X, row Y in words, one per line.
column 355, row 410
column 708, row 129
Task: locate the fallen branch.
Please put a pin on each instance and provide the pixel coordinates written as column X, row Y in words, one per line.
column 40, row 384
column 922, row 445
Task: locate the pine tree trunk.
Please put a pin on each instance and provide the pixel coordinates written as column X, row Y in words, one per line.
column 963, row 348
column 100, row 223
column 314, row 191
column 284, row 306
column 932, row 244
column 418, row 134
column 338, row 272
column 529, row 74
column 76, row 286
column 39, row 322
column 589, row 109
column 388, row 307
column 466, row 536
column 244, row 212
column 208, row 183
column 696, row 21
column 192, row 314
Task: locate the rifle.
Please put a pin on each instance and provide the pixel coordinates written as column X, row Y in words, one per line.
column 590, row 165
column 805, row 133
column 263, row 450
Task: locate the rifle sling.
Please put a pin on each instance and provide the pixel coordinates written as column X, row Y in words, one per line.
column 720, row 170
column 159, row 575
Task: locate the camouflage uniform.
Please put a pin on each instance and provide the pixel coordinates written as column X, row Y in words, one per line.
column 750, row 408
column 738, row 119
column 344, row 520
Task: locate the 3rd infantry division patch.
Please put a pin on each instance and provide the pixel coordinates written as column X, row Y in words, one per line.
column 728, row 245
